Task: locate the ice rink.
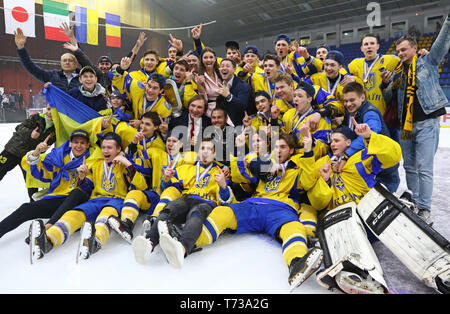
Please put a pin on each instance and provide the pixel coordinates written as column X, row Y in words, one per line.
column 235, row 264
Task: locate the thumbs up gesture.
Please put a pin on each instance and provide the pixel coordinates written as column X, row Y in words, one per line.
column 83, row 169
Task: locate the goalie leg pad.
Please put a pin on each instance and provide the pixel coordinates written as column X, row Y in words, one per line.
column 350, row 261
column 424, row 251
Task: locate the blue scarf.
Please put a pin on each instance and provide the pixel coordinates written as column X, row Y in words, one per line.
column 56, row 159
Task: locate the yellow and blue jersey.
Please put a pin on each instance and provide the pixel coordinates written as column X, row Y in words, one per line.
column 191, row 183
column 283, row 188
column 357, row 176
column 372, row 80
column 291, row 123
column 109, row 180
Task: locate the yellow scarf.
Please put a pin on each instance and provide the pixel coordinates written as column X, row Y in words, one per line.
column 410, row 91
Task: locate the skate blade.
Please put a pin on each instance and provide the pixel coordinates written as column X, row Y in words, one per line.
column 85, row 234
column 313, row 263
column 172, row 249
column 115, row 225
column 141, row 249
column 33, row 232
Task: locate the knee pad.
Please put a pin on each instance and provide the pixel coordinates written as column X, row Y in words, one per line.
column 350, row 261
column 419, row 247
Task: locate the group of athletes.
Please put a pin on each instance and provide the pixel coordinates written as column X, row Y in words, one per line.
column 201, row 145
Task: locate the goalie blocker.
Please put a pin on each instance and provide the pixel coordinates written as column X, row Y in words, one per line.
column 424, row 251
column 351, row 264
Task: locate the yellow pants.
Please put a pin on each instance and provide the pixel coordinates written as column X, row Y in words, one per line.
column 169, row 194
column 308, row 217
column 293, row 235
column 73, row 220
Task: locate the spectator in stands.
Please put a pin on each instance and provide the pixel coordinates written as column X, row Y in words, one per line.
column 65, row 79
column 90, row 92
column 421, row 101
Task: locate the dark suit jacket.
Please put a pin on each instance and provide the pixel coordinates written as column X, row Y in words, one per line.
column 239, row 101
column 184, row 121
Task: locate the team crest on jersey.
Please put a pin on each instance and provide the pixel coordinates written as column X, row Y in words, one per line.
column 337, row 182
column 203, row 182
column 272, row 185
column 108, row 184
column 73, row 179
column 369, row 83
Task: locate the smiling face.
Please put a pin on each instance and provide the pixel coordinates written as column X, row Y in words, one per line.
column 332, row 68
column 251, row 58
column 193, row 62
column 173, row 145
column 262, row 104
column 88, row 80
column 208, row 60
column 110, row 149
column 218, row 118
column 284, row 90
column 150, row 62
column 152, row 90
column 226, row 70
column 104, row 66
column 406, row 51
column 197, row 108
column 353, row 101
column 79, row 146
column 369, row 47
column 68, row 62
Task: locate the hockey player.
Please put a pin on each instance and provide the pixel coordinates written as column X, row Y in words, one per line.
column 330, row 79
column 273, row 209
column 369, row 69
column 107, row 179
column 296, row 60
column 59, row 167
column 185, row 87
column 146, row 97
column 152, row 200
column 265, row 81
column 203, row 187
column 295, row 118
column 358, row 174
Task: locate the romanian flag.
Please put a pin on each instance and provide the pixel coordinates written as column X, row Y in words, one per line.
column 112, row 22
column 55, row 13
column 69, row 114
column 86, row 25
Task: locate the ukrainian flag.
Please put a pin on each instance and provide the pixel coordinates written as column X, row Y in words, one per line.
column 69, row 114
column 86, row 25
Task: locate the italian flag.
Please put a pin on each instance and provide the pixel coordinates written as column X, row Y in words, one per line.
column 55, row 13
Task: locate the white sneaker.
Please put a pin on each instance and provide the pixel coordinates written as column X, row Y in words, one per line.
column 173, row 250
column 142, row 249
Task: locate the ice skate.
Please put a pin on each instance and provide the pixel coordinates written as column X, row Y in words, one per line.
column 89, row 244
column 39, row 243
column 122, row 227
column 303, row 267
